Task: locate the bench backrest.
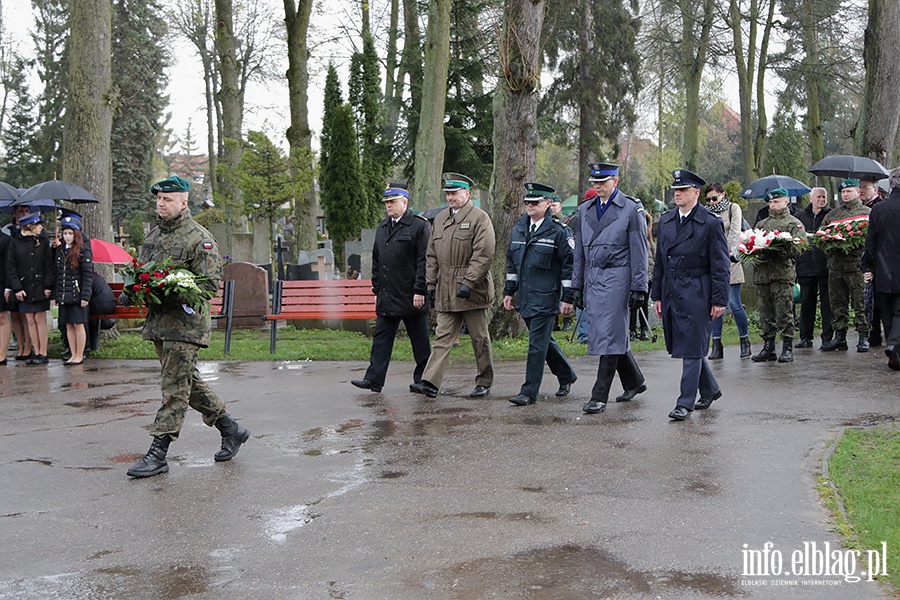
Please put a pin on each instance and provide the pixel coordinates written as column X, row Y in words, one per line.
column 328, row 295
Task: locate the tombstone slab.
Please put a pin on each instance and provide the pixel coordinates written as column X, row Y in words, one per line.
column 251, row 295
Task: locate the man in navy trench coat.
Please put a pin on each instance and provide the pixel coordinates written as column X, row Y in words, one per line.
column 690, row 289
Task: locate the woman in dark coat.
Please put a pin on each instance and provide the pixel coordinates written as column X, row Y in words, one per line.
column 74, row 285
column 30, row 276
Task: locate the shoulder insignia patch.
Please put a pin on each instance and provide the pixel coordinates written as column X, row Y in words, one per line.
column 207, row 245
column 571, row 242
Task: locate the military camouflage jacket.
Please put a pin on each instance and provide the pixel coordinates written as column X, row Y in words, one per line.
column 192, row 247
column 846, row 262
column 778, row 267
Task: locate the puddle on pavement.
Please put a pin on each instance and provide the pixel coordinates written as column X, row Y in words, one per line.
column 279, row 523
column 567, row 572
column 179, row 581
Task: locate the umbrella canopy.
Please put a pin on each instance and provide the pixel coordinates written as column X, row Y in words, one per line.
column 42, row 206
column 58, row 190
column 841, row 165
column 570, row 205
column 8, row 192
column 108, row 252
column 764, row 185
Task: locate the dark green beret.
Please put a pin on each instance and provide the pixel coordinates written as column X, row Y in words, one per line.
column 172, row 184
column 776, row 193
column 848, row 183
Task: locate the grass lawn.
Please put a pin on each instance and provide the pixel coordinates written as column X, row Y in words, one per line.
column 865, row 467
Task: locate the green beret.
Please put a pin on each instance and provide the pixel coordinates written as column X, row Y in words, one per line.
column 776, row 193
column 172, row 184
column 848, row 183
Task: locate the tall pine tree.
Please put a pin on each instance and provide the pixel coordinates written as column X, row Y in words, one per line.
column 139, row 63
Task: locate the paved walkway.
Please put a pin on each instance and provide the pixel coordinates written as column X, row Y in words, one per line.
column 342, row 493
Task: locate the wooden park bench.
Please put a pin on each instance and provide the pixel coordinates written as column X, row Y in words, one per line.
column 323, row 300
column 221, row 307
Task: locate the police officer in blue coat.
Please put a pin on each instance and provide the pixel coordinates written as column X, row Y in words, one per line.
column 609, row 278
column 690, row 289
column 538, row 274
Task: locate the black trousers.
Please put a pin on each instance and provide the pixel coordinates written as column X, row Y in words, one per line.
column 814, row 290
column 543, row 348
column 890, row 316
column 629, row 374
column 383, row 345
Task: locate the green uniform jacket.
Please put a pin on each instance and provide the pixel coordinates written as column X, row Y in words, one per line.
column 779, row 267
column 845, row 262
column 192, row 247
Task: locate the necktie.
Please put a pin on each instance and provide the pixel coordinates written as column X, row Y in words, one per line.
column 682, row 219
column 531, row 231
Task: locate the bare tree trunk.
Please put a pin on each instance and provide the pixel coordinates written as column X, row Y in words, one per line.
column 694, row 46
column 410, row 65
column 810, row 76
column 515, row 130
column 762, row 122
column 87, row 161
column 880, row 111
column 585, row 54
column 391, row 66
column 430, row 143
column 298, row 134
column 232, row 111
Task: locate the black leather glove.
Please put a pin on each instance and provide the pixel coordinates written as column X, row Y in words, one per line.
column 734, row 259
column 578, row 299
column 637, row 300
column 464, row 291
column 123, row 300
column 430, row 295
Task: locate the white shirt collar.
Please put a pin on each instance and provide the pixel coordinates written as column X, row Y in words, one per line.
column 537, row 224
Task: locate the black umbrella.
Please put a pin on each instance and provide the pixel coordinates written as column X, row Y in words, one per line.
column 8, row 192
column 58, row 190
column 431, row 213
column 841, row 165
column 764, row 185
column 35, row 206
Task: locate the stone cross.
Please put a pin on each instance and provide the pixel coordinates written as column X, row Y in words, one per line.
column 322, row 268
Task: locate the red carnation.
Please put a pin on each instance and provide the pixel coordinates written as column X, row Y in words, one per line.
column 136, row 288
column 145, row 277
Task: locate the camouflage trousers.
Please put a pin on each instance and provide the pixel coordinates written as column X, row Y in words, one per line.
column 776, row 309
column 845, row 290
column 182, row 387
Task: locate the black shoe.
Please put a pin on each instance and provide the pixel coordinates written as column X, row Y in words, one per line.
column 365, row 384
column 787, row 350
column 804, row 343
column 875, row 341
column 644, row 335
column 704, row 403
column 745, row 347
column 717, row 352
column 767, row 352
column 154, row 462
column 594, row 407
column 39, row 359
column 233, row 435
column 564, row 389
column 839, row 342
column 680, row 413
column 424, row 388
column 863, row 345
column 25, row 357
column 628, row 395
column 522, row 400
column 893, row 357
column 480, row 391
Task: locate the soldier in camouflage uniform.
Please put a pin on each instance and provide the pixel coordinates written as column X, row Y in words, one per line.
column 774, row 277
column 845, row 278
column 178, row 331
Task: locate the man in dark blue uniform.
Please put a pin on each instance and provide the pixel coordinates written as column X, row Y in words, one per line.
column 690, row 289
column 538, row 272
column 398, row 282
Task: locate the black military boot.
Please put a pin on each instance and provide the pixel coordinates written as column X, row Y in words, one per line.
column 863, row 345
column 787, row 350
column 717, row 351
column 745, row 347
column 233, row 435
column 154, row 462
column 767, row 352
column 839, row 342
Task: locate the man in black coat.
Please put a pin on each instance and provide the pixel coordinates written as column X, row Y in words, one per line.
column 398, row 282
column 881, row 265
column 690, row 289
column 812, row 273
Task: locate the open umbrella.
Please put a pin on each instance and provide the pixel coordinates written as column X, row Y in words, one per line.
column 108, row 252
column 841, row 165
column 8, row 192
column 764, row 185
column 58, row 190
column 42, row 206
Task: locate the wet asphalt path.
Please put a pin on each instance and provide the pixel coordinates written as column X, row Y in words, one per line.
column 342, row 493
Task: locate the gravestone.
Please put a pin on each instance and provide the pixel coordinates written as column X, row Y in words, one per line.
column 363, row 248
column 251, row 295
column 320, row 264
